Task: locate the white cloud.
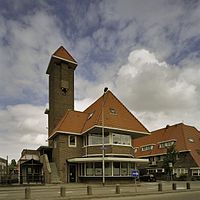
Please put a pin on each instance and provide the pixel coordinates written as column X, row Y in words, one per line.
column 156, row 92
column 81, row 105
column 25, row 55
column 23, row 126
column 136, row 37
column 40, row 139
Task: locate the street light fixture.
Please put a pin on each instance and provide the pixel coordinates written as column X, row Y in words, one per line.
column 103, row 146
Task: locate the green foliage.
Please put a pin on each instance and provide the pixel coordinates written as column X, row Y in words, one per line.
column 170, row 158
column 12, row 165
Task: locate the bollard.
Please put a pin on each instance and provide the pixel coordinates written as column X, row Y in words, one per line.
column 89, row 190
column 117, row 190
column 159, row 186
column 27, row 193
column 62, row 192
column 173, row 186
column 188, row 186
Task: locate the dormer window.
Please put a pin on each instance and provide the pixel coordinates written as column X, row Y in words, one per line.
column 147, row 148
column 191, row 140
column 167, row 144
column 90, row 115
column 113, row 111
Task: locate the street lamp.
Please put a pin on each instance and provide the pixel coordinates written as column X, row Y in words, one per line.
column 170, row 170
column 103, row 146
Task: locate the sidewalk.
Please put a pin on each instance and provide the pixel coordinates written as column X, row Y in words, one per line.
column 79, row 191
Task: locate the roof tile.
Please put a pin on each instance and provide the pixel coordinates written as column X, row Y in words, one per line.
column 116, row 115
column 62, row 53
column 187, row 139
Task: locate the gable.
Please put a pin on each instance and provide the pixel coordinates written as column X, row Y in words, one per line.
column 115, row 115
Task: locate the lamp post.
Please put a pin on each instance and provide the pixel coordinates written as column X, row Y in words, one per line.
column 103, row 146
column 170, row 170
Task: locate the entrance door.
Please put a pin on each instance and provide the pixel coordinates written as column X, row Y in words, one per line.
column 72, row 173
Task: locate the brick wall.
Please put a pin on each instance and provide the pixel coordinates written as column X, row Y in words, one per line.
column 59, row 103
column 63, row 152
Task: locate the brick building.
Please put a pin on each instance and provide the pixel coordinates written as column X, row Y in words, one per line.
column 105, row 142
column 94, row 144
column 186, row 140
column 3, row 168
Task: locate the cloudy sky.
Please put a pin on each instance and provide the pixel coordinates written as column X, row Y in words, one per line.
column 146, row 52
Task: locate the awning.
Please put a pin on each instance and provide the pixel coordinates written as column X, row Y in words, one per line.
column 107, row 159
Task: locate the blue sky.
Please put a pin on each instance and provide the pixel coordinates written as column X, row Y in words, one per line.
column 146, row 52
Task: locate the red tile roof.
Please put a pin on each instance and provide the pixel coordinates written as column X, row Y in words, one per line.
column 72, row 122
column 61, row 54
column 116, row 116
column 187, row 139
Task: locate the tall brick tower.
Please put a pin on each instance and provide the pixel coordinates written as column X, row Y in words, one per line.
column 61, row 86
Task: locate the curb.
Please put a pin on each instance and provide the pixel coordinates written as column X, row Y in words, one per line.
column 129, row 194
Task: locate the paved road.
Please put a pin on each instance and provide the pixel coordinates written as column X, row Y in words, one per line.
column 195, row 195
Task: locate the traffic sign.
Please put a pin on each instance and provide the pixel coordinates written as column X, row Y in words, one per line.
column 135, row 173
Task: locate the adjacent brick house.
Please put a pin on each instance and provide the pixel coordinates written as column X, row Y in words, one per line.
column 30, row 167
column 3, row 168
column 187, row 143
column 76, row 138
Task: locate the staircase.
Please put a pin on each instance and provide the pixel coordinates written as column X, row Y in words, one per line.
column 54, row 174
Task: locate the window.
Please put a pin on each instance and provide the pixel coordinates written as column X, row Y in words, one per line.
column 166, row 144
column 195, row 172
column 95, row 139
column 124, row 169
column 147, row 148
column 191, row 140
column 113, row 111
column 90, row 115
column 116, row 168
column 121, row 139
column 89, row 169
column 29, row 170
column 98, row 168
column 108, row 169
column 72, row 141
column 180, row 171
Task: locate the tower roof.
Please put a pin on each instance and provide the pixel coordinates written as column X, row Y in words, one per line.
column 61, row 54
column 115, row 117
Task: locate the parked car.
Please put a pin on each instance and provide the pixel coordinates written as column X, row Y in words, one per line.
column 148, row 177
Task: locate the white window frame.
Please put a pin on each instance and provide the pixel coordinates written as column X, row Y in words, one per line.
column 147, row 147
column 166, row 144
column 120, row 144
column 196, row 173
column 72, row 145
